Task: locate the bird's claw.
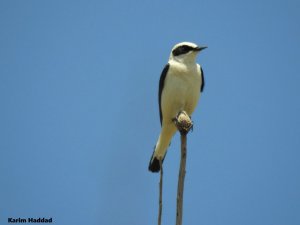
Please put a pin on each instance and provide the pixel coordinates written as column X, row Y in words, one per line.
column 183, row 122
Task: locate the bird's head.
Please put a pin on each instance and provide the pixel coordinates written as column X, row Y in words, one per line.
column 185, row 52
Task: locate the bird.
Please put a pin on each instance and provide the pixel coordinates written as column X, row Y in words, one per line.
column 180, row 86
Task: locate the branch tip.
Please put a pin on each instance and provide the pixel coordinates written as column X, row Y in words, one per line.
column 183, row 122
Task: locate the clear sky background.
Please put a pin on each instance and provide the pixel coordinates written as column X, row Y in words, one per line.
column 79, row 113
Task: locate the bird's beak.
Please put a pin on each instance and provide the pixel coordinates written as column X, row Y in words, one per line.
column 199, row 48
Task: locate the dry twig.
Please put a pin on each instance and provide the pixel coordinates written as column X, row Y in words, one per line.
column 183, row 124
column 160, row 192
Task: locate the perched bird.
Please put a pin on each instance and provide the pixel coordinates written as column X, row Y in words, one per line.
column 180, row 86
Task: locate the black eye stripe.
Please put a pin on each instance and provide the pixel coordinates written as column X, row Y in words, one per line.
column 183, row 49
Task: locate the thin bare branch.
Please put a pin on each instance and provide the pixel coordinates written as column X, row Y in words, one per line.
column 160, row 192
column 183, row 124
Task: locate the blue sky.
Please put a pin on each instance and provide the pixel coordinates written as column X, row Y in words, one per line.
column 79, row 112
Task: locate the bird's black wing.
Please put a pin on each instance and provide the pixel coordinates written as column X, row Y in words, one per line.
column 202, row 83
column 161, row 86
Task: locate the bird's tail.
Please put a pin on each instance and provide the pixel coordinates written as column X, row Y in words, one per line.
column 154, row 165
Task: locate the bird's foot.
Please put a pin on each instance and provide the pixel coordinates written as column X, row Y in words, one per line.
column 183, row 122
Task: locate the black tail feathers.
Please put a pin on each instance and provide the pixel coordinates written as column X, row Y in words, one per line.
column 154, row 165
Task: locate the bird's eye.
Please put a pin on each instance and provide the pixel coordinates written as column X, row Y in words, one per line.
column 181, row 50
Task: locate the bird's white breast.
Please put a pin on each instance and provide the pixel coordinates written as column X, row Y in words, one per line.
column 181, row 90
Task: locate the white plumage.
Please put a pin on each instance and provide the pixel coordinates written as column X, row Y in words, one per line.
column 181, row 84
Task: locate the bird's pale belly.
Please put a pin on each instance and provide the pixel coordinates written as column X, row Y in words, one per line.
column 179, row 95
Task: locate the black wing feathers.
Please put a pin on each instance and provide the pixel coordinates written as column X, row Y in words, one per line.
column 161, row 86
column 202, row 83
